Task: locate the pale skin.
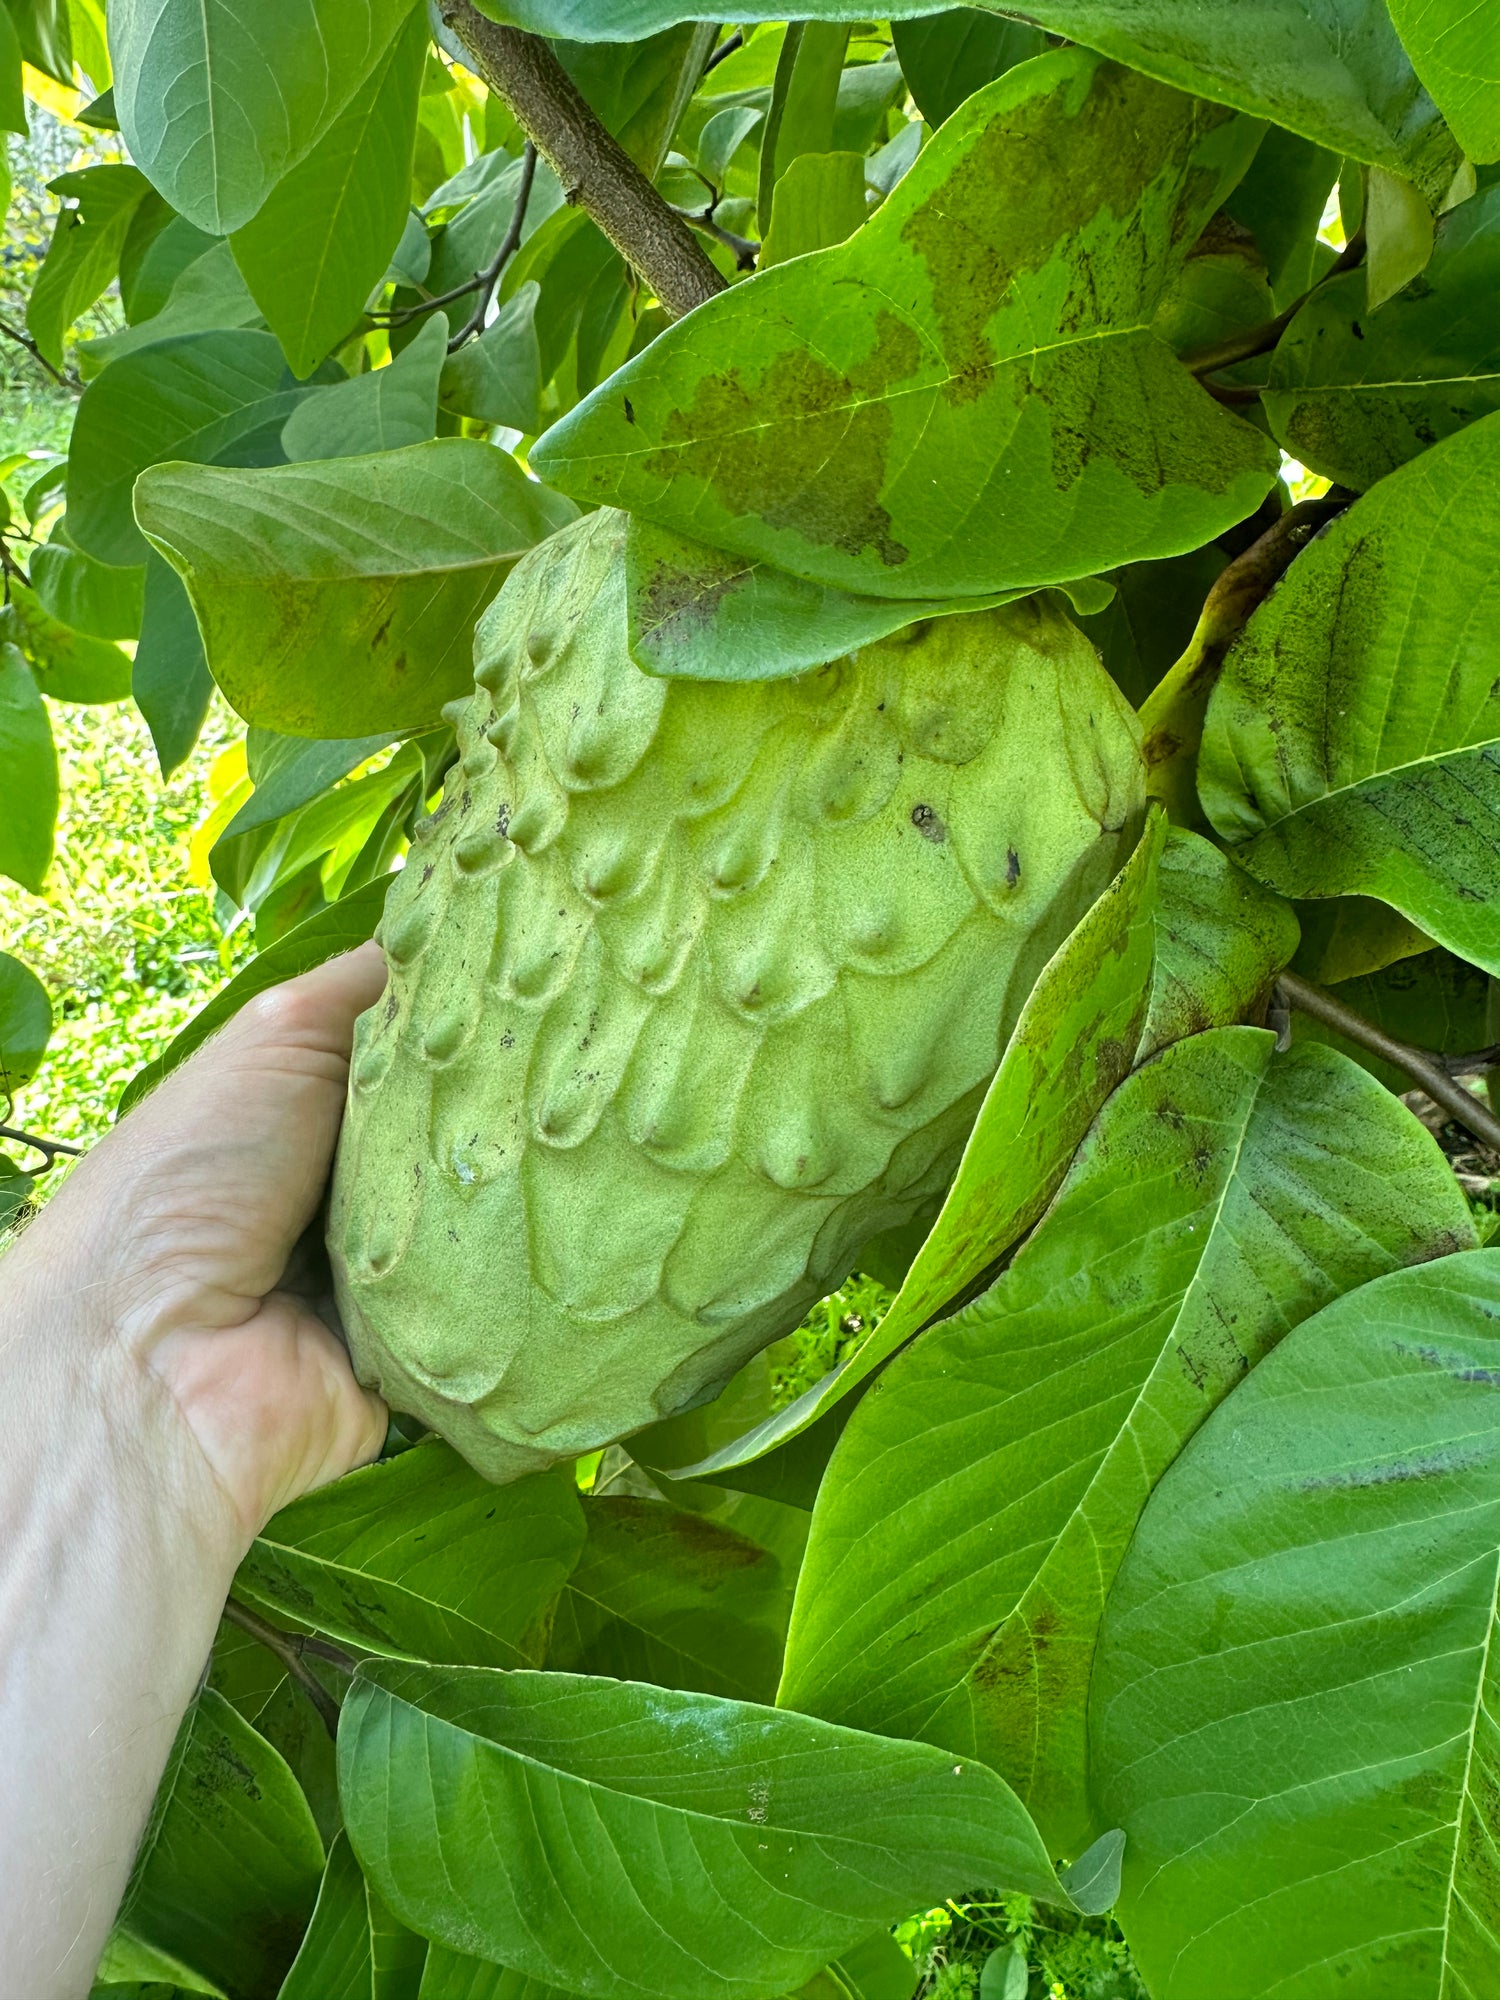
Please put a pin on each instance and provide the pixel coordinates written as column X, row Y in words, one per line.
column 161, row 1399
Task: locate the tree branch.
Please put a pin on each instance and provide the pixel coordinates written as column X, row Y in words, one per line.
column 1425, row 1069
column 49, row 1148
column 510, row 243
column 730, row 45
column 595, row 170
column 25, row 340
column 289, row 1648
column 1254, row 340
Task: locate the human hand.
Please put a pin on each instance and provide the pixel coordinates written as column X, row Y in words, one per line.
column 171, row 1239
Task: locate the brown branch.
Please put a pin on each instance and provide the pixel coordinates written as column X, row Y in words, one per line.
column 595, row 170
column 745, row 250
column 49, row 1148
column 289, row 1648
column 487, row 279
column 25, row 340
column 1424, row 1068
column 1254, row 340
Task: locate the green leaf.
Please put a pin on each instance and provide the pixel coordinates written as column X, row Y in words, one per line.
column 804, row 103
column 947, row 57
column 1332, row 70
column 218, row 102
column 640, row 92
column 698, row 614
column 170, row 679
column 1352, row 745
column 102, row 602
column 1433, row 1000
column 159, row 247
column 1348, row 936
column 251, row 864
column 373, row 569
column 1398, row 224
column 197, row 396
column 819, row 201
column 68, row 665
column 228, row 1872
column 422, row 1559
column 1293, row 1710
column 451, row 1976
column 1217, row 292
column 354, row 1948
column 83, row 258
column 1221, row 939
column 1145, row 627
column 290, row 771
column 338, row 929
column 28, row 775
column 978, row 1506
column 208, row 295
column 498, row 377
column 1354, row 394
column 1003, row 360
column 382, row 410
column 1281, row 202
column 1455, row 48
column 323, row 239
column 1075, row 1040
column 45, row 30
column 25, row 1024
column 621, row 1840
column 671, row 1597
column 12, row 94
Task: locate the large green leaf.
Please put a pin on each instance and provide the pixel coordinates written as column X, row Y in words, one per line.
column 634, row 1843
column 84, row 256
column 970, row 342
column 12, row 94
column 381, row 410
column 1332, row 70
column 1294, row 1705
column 348, row 923
column 1352, row 745
column 324, row 237
column 667, row 1596
column 206, row 295
column 217, row 101
column 422, row 1559
column 28, row 775
column 451, row 1975
column 980, row 1501
column 1456, row 49
column 1220, row 941
column 498, row 377
column 947, row 57
column 339, row 597
column 25, row 1024
column 69, row 666
column 1354, row 394
column 354, row 1948
column 219, row 396
column 698, row 614
column 170, row 678
column 91, row 597
column 1075, row 1040
column 228, row 1872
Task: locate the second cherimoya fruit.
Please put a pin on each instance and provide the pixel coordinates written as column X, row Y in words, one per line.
column 694, row 988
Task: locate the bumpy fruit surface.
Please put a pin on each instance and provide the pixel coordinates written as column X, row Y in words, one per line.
column 695, row 987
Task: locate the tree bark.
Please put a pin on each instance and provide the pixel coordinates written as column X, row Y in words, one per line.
column 595, row 170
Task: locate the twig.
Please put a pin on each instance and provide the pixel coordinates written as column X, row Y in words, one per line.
column 1261, row 339
column 49, row 1148
column 289, row 1648
column 595, row 170
column 1424, row 1068
column 726, row 48
column 745, row 250
column 25, row 340
column 489, row 277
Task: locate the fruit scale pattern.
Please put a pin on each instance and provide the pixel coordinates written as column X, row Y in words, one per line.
column 694, row 987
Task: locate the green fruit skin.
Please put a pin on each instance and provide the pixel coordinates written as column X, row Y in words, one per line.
column 694, row 987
